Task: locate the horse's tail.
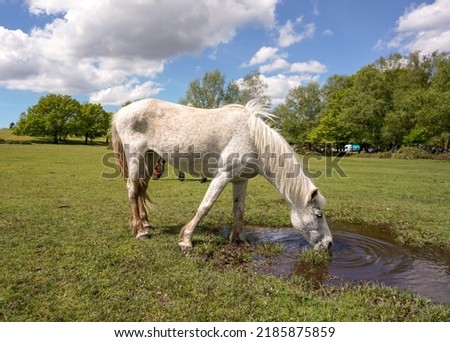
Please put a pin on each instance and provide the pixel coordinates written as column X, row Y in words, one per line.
column 117, row 146
column 121, row 161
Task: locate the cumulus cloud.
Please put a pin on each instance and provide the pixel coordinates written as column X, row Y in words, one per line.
column 133, row 89
column 287, row 35
column 277, row 64
column 425, row 27
column 264, row 54
column 327, row 33
column 115, row 48
column 290, row 75
column 277, row 72
column 280, row 84
column 309, row 67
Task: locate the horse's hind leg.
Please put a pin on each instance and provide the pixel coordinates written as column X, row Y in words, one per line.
column 139, row 223
column 142, row 199
column 239, row 191
column 137, row 193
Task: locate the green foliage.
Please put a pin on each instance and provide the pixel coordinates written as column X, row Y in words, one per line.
column 330, row 128
column 92, row 122
column 210, row 91
column 394, row 101
column 59, row 116
column 52, row 117
column 411, row 153
column 206, row 92
column 300, row 112
column 251, row 87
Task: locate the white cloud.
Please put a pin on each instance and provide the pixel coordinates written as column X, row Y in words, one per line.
column 50, row 7
column 131, row 91
column 279, row 85
column 425, row 27
column 264, row 54
column 327, row 33
column 290, row 75
column 309, row 67
column 315, row 5
column 287, row 34
column 106, row 45
column 277, row 64
column 299, row 73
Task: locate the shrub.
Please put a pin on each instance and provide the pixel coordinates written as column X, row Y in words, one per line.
column 412, row 153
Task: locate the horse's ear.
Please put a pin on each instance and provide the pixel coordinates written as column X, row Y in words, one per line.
column 318, row 198
column 314, row 194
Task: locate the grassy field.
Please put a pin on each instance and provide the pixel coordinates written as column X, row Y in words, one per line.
column 409, row 196
column 68, row 255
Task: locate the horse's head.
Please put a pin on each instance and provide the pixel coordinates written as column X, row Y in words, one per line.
column 311, row 222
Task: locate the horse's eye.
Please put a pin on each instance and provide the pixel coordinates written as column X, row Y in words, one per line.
column 319, row 214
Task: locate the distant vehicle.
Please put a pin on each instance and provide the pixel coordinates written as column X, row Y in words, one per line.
column 352, row 148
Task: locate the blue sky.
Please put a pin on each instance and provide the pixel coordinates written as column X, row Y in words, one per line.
column 112, row 51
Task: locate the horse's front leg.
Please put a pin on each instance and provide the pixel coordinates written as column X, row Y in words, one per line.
column 213, row 192
column 239, row 191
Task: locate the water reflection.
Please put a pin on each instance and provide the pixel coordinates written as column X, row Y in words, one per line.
column 360, row 254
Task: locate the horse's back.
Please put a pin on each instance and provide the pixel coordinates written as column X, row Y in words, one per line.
column 165, row 127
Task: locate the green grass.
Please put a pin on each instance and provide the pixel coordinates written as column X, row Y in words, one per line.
column 314, row 257
column 68, row 255
column 7, row 136
column 409, row 196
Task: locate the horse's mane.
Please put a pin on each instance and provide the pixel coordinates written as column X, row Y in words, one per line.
column 284, row 168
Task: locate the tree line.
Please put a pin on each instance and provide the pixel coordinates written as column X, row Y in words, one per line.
column 395, row 101
column 60, row 116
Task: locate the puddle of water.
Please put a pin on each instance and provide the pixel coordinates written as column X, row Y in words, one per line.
column 361, row 254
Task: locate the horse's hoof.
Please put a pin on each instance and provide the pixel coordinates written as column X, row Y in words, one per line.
column 143, row 237
column 185, row 247
column 240, row 242
column 239, row 239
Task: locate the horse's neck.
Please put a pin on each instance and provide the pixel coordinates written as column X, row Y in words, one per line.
column 288, row 178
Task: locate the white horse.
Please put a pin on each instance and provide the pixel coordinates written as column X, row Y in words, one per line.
column 228, row 144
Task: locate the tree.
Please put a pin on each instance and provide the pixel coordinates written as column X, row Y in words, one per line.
column 300, row 112
column 364, row 106
column 207, row 92
column 91, row 122
column 440, row 79
column 52, row 116
column 433, row 118
column 251, row 87
column 210, row 91
column 397, row 100
column 232, row 93
column 330, row 129
column 439, row 119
